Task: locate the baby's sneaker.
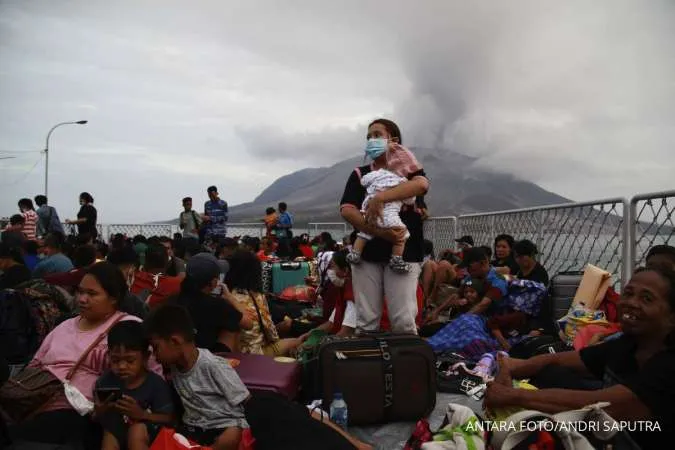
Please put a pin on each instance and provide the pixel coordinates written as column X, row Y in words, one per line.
column 354, row 258
column 398, row 265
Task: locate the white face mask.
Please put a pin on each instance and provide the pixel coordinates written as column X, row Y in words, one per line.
column 332, row 276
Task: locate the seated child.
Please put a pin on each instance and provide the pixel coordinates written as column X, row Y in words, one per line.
column 400, row 163
column 131, row 402
column 513, row 323
column 470, row 293
column 213, row 396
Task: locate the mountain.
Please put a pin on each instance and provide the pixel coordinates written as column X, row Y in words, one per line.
column 457, row 187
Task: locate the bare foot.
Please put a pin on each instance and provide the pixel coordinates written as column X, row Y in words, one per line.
column 503, row 376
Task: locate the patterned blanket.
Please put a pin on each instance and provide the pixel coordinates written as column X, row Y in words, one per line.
column 469, row 335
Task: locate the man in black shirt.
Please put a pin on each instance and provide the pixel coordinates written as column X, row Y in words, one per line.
column 14, row 235
column 373, row 279
column 529, row 268
column 637, row 369
column 614, row 363
column 216, row 319
column 13, row 272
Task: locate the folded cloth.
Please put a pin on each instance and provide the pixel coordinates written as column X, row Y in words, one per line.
column 593, row 287
column 514, row 431
column 502, row 413
column 463, row 431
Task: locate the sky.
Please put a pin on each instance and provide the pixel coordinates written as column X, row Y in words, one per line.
column 576, row 96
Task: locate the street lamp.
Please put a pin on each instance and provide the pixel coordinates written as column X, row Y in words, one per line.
column 79, row 122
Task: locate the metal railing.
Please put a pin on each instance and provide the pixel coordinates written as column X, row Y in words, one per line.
column 568, row 236
column 441, row 231
column 613, row 233
column 651, row 223
column 147, row 230
column 252, row 229
column 337, row 229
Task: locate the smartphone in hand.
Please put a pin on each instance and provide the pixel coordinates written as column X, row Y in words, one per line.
column 108, row 394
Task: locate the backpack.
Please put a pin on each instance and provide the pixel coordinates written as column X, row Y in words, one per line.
column 47, row 307
column 18, row 334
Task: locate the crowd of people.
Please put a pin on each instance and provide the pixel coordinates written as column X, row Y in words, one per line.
column 150, row 310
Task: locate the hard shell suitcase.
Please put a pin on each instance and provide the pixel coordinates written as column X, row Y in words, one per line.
column 563, row 289
column 267, row 276
column 383, row 378
column 286, row 274
column 262, row 373
column 561, row 294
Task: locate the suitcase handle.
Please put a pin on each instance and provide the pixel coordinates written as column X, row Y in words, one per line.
column 290, row 266
column 569, row 272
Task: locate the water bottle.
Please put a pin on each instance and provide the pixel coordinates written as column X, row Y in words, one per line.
column 338, row 411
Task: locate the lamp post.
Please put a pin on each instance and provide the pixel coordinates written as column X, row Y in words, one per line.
column 79, row 122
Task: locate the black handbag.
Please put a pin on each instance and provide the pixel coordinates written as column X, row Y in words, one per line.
column 538, row 345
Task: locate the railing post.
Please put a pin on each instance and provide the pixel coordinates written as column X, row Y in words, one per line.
column 455, row 222
column 458, row 230
column 492, row 227
column 540, row 231
column 629, row 240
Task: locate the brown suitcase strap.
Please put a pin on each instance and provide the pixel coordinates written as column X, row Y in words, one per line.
column 91, row 347
column 263, row 330
column 388, row 372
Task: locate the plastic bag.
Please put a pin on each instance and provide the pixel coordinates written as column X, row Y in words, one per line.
column 518, row 427
column 462, row 432
column 578, row 317
column 77, row 400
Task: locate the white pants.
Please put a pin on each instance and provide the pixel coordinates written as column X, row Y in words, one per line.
column 374, row 281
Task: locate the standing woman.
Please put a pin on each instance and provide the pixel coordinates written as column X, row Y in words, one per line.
column 504, row 261
column 86, row 218
column 373, row 279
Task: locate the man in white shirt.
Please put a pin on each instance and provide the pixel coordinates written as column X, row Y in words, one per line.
column 189, row 221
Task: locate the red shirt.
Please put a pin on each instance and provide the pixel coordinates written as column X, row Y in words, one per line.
column 67, row 280
column 159, row 287
column 307, row 251
column 334, row 296
column 262, row 257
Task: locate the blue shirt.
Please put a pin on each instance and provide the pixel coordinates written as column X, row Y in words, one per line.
column 58, row 263
column 48, row 221
column 284, row 224
column 30, row 261
column 496, row 288
column 217, row 211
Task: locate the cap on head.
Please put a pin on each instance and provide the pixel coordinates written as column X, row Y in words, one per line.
column 202, row 268
column 465, row 240
column 212, row 189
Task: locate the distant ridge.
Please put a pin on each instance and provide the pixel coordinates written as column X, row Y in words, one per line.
column 457, row 187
